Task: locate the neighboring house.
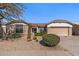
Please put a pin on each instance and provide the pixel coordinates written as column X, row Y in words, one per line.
column 75, row 29
column 58, row 27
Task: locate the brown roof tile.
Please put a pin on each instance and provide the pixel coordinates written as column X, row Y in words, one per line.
column 60, row 21
column 38, row 24
column 17, row 21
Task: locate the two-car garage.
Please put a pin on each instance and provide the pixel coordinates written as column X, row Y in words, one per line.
column 59, row 28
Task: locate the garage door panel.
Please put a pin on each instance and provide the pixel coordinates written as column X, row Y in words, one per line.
column 58, row 31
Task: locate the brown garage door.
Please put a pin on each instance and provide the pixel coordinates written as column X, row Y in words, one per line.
column 58, row 31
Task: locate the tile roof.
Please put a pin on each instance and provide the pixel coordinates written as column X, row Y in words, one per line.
column 60, row 21
column 38, row 24
column 32, row 24
column 17, row 21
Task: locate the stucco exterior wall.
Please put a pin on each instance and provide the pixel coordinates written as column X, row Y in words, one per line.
column 70, row 31
column 12, row 28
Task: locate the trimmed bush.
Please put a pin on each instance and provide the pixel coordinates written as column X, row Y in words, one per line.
column 50, row 39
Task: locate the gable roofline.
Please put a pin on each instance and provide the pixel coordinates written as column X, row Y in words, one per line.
column 60, row 21
column 17, row 21
column 39, row 24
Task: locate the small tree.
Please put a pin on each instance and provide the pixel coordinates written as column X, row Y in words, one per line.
column 8, row 11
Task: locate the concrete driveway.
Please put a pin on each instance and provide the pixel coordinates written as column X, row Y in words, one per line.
column 71, row 44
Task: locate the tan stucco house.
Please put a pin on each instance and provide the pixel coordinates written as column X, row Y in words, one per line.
column 58, row 27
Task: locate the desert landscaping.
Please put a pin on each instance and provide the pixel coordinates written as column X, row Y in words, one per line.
column 39, row 35
column 68, row 46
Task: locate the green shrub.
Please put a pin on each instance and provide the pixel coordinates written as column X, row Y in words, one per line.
column 50, row 39
column 16, row 35
column 40, row 33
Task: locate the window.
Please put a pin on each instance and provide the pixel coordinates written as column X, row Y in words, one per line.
column 19, row 28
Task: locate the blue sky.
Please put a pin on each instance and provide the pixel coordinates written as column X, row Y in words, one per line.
column 46, row 12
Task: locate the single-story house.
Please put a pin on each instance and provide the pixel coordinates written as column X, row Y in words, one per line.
column 58, row 27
